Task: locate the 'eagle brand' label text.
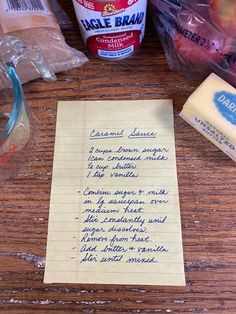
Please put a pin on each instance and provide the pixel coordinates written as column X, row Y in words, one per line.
column 118, row 21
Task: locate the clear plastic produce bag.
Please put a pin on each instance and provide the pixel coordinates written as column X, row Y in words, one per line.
column 35, row 23
column 198, row 37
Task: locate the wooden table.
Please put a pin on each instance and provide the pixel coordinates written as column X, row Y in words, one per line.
column 207, row 184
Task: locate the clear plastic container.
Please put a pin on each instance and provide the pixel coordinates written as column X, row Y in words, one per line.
column 16, row 131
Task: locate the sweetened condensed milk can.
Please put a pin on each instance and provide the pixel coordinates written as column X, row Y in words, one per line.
column 111, row 29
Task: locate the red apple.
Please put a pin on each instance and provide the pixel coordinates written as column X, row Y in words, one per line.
column 229, row 65
column 223, row 15
column 226, row 68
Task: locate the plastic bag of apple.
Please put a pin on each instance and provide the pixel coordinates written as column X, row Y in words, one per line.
column 198, row 36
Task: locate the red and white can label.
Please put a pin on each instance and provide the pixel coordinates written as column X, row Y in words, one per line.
column 111, row 29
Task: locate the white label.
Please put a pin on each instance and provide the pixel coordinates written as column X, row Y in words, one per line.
column 116, row 54
column 25, row 6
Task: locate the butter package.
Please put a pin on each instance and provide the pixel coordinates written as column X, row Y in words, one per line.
column 211, row 109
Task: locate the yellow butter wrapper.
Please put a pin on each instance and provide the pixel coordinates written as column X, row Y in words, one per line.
column 211, row 109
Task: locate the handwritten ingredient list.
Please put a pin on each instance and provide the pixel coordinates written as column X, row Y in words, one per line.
column 114, row 210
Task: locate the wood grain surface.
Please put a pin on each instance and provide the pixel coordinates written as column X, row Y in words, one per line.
column 207, row 184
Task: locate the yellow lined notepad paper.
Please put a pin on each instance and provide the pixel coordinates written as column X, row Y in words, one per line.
column 114, row 210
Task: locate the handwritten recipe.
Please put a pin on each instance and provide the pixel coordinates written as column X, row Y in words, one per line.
column 114, row 211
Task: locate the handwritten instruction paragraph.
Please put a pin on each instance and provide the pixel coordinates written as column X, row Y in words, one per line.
column 114, row 210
